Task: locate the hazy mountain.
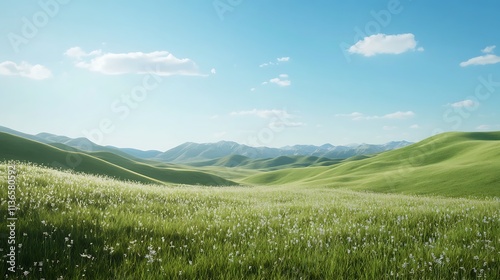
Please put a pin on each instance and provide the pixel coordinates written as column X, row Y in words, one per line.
column 86, row 145
column 193, row 152
column 21, row 134
column 190, row 152
column 140, row 153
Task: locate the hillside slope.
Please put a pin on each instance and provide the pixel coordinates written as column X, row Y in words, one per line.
column 17, row 148
column 239, row 161
column 449, row 164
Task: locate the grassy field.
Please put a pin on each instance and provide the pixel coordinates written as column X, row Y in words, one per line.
column 73, row 226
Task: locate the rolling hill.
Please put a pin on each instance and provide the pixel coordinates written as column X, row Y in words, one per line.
column 101, row 163
column 449, row 164
column 239, row 161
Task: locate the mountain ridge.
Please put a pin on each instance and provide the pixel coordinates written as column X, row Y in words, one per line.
column 196, row 152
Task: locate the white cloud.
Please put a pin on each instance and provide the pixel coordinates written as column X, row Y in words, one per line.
column 282, row 80
column 283, row 59
column 160, row 63
column 399, row 115
column 278, row 61
column 385, row 44
column 252, row 89
column 487, row 58
column 75, row 52
column 488, row 49
column 213, row 71
column 481, row 60
column 78, row 53
column 356, row 116
column 415, row 126
column 24, row 69
column 464, row 104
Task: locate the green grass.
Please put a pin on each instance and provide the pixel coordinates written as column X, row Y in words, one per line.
column 100, row 163
column 450, row 164
column 87, row 227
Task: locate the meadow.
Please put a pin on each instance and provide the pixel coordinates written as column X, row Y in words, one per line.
column 78, row 226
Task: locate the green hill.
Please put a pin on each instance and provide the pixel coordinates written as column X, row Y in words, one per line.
column 99, row 163
column 228, row 161
column 269, row 164
column 177, row 175
column 449, row 164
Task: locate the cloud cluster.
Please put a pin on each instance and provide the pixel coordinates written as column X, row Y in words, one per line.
column 160, row 63
column 385, row 44
column 399, row 115
column 24, row 69
column 487, row 58
column 277, row 62
column 282, row 80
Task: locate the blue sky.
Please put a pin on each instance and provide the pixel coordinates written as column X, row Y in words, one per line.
column 155, row 74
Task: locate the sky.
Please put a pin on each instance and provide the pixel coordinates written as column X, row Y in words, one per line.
column 156, row 74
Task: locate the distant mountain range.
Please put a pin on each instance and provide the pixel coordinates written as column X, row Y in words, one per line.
column 193, row 152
